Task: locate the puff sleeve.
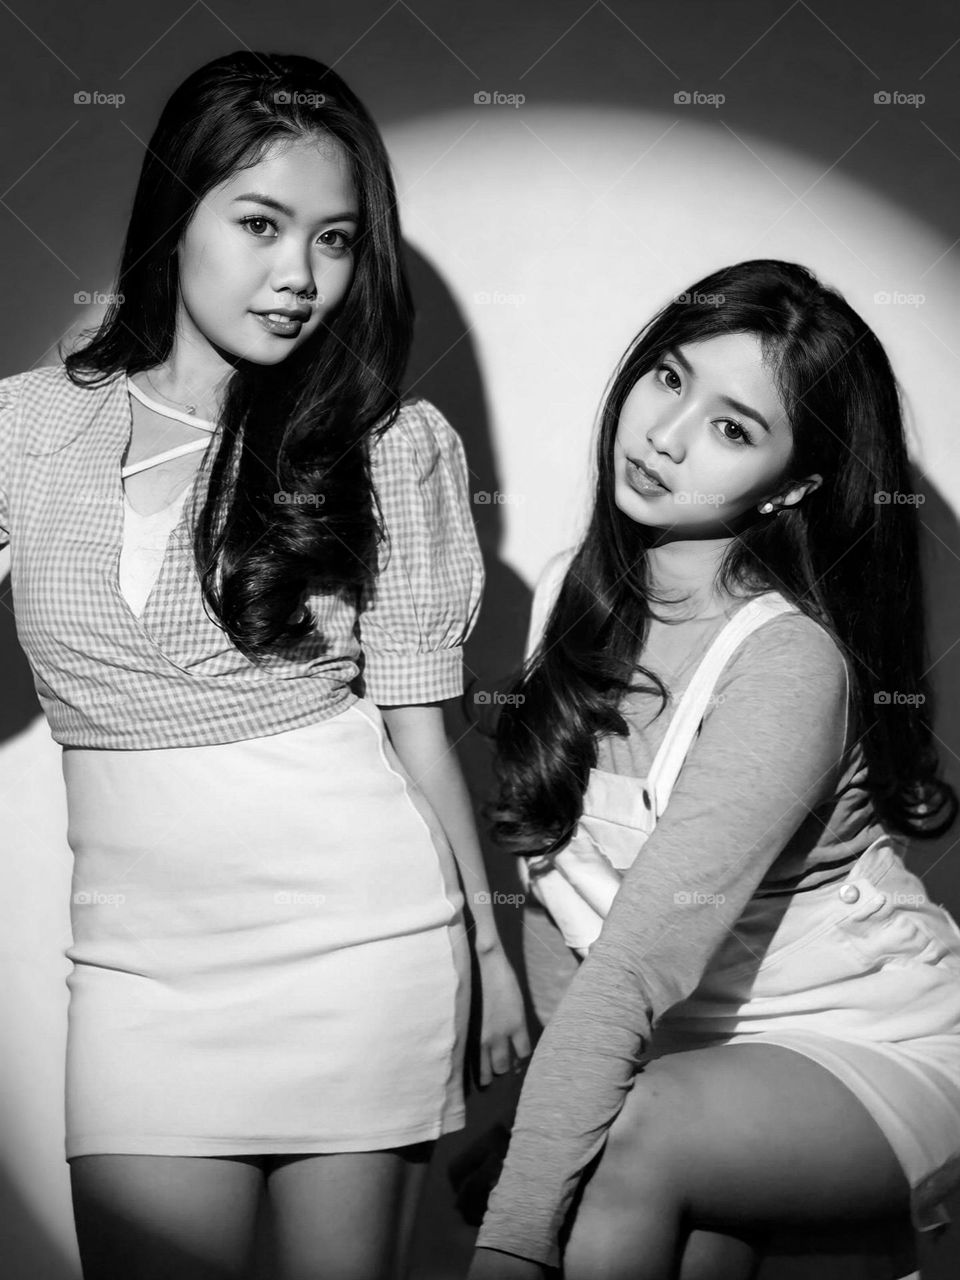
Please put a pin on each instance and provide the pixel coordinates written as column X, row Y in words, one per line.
column 426, row 596
column 10, row 393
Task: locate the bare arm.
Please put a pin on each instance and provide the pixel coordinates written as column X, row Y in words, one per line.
column 420, row 740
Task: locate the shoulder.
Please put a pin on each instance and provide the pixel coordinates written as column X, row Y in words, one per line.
column 18, row 386
column 38, row 397
column 50, row 393
column 553, row 572
column 548, row 583
column 419, row 439
column 545, row 592
column 47, row 377
column 789, row 656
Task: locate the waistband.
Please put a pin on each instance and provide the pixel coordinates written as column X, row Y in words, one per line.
column 872, row 864
column 878, row 859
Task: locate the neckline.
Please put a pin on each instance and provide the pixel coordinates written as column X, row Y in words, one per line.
column 123, row 388
column 203, row 424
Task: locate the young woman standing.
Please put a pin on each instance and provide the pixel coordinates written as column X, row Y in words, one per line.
column 243, row 574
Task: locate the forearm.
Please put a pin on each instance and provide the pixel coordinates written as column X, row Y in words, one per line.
column 420, row 740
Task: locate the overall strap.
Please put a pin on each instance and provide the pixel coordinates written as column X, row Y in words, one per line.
column 683, row 727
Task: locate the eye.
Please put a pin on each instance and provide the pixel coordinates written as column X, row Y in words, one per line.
column 665, row 368
column 340, row 247
column 743, row 438
column 261, row 220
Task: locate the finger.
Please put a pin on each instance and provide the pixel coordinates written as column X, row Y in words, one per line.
column 500, row 1055
column 485, row 1073
column 521, row 1043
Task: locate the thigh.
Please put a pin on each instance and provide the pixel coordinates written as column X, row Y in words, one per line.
column 346, row 1216
column 153, row 1217
column 751, row 1136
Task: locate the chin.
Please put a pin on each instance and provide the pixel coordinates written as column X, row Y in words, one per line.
column 268, row 354
column 632, row 505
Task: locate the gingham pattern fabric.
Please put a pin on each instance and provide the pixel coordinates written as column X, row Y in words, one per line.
column 171, row 678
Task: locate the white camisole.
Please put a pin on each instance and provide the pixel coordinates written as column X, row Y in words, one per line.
column 145, row 537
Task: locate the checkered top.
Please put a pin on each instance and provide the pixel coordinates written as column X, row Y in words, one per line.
column 171, row 678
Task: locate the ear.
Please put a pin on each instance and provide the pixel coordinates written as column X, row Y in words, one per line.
column 793, row 496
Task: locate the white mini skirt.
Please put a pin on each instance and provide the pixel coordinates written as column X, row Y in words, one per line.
column 268, row 950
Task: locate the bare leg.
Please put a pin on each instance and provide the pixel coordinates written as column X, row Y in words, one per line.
column 164, row 1217
column 347, row 1216
column 712, row 1255
column 728, row 1139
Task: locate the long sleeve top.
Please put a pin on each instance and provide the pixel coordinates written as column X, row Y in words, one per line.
column 772, row 770
column 170, row 677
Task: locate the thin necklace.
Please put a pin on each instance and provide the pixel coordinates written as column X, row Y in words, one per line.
column 187, row 408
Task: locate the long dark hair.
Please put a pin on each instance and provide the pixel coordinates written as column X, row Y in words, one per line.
column 845, row 557
column 302, row 426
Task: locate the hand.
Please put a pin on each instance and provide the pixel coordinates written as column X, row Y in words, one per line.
column 491, row 1264
column 503, row 1032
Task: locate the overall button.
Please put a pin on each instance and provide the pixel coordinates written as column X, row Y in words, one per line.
column 850, row 893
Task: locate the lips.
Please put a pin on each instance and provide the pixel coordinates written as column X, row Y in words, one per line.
column 280, row 324
column 648, row 472
column 287, row 313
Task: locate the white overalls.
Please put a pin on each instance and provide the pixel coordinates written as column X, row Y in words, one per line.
column 620, row 812
column 861, row 975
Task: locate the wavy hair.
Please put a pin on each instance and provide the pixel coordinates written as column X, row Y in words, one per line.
column 305, row 424
column 846, row 560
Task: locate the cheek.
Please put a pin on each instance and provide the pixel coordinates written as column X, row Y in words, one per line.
column 334, row 279
column 634, row 415
column 744, row 487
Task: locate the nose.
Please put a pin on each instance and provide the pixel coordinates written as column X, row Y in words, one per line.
column 666, row 434
column 294, row 272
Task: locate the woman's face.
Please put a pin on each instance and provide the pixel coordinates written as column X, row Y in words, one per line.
column 276, row 237
column 708, row 420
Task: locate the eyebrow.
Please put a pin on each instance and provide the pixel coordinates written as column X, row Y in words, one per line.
column 734, row 404
column 259, row 198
